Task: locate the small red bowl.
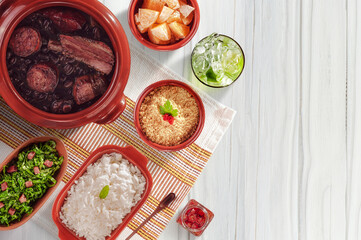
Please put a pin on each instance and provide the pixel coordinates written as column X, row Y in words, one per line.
column 60, row 147
column 144, row 39
column 189, row 140
column 129, row 153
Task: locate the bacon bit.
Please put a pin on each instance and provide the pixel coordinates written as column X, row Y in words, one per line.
column 28, row 184
column 48, row 163
column 36, row 170
column 12, row 169
column 1, row 204
column 4, row 186
column 31, row 155
column 11, row 211
column 22, row 198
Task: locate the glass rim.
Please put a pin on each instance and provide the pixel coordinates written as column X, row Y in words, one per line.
column 243, row 55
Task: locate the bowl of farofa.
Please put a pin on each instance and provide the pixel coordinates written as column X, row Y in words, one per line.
column 169, row 115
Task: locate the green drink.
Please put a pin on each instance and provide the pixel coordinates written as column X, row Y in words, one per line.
column 217, row 60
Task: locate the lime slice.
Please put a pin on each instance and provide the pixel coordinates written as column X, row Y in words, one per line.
column 232, row 62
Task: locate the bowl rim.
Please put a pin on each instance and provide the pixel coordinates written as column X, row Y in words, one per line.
column 60, row 146
column 244, row 61
column 120, row 47
column 201, row 108
column 134, row 157
column 169, row 47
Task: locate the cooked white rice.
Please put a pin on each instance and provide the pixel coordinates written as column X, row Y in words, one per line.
column 94, row 218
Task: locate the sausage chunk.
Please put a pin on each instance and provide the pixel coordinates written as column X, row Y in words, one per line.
column 12, row 169
column 88, row 87
column 25, row 41
column 28, row 184
column 42, row 78
column 48, row 163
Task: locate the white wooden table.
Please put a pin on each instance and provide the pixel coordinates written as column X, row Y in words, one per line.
column 290, row 165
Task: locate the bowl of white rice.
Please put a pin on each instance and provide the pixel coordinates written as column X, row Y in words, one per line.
column 103, row 195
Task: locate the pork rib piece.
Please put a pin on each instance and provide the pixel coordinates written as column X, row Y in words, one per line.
column 95, row 54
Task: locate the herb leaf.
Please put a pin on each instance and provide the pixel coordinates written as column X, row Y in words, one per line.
column 167, row 108
column 104, row 192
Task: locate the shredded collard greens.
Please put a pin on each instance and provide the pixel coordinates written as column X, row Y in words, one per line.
column 25, row 172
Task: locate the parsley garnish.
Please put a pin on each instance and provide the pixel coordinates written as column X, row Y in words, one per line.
column 104, row 192
column 167, row 108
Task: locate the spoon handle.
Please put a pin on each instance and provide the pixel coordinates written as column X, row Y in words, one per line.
column 163, row 204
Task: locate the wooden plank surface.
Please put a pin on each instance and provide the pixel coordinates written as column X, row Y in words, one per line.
column 322, row 166
column 290, row 165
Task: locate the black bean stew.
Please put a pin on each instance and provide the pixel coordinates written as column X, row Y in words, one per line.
column 60, row 60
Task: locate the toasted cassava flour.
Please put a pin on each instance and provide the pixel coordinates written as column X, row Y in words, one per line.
column 94, row 218
column 162, row 132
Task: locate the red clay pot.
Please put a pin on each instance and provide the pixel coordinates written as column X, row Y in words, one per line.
column 144, row 39
column 134, row 157
column 189, row 140
column 59, row 175
column 109, row 106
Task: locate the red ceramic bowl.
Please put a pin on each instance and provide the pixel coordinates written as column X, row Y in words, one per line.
column 189, row 140
column 109, row 106
column 134, row 157
column 59, row 175
column 144, row 39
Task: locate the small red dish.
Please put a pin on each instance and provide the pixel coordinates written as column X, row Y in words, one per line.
column 60, row 147
column 143, row 38
column 195, row 217
column 201, row 115
column 134, row 157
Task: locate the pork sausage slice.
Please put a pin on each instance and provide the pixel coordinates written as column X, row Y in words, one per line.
column 25, row 41
column 88, row 87
column 42, row 78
